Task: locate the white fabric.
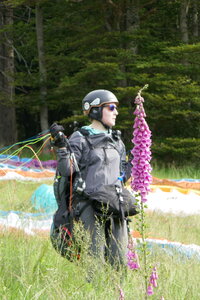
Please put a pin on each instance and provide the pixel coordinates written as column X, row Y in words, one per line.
column 174, row 202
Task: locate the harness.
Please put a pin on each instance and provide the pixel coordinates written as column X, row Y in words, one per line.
column 67, row 189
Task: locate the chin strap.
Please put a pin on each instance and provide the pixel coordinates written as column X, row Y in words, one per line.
column 106, row 126
column 98, row 116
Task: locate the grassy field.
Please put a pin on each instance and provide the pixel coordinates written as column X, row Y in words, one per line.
column 31, row 269
column 15, row 195
column 172, row 171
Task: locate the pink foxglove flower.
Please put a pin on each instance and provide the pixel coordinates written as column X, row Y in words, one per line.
column 152, row 282
column 141, row 152
column 132, row 257
column 121, row 293
column 150, row 290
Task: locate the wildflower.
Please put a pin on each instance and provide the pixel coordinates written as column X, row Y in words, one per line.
column 152, row 282
column 132, row 257
column 133, row 265
column 150, row 290
column 121, row 293
column 141, row 169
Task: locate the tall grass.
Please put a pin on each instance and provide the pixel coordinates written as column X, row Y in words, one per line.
column 30, row 268
column 181, row 228
column 16, row 195
column 172, row 171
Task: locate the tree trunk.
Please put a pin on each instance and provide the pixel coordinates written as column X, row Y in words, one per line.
column 42, row 69
column 132, row 23
column 183, row 21
column 8, row 128
column 132, row 20
column 195, row 19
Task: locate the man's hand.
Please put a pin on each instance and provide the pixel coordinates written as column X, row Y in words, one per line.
column 58, row 137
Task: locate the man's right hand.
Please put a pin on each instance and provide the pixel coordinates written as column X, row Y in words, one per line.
column 58, row 137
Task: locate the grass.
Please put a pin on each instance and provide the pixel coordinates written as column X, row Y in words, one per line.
column 31, row 269
column 184, row 229
column 15, row 195
column 171, row 171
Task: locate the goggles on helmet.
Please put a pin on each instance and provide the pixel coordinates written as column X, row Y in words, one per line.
column 111, row 107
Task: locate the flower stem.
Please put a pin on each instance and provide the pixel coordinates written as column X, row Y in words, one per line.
column 144, row 247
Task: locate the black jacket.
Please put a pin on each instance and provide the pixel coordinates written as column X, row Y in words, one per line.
column 101, row 159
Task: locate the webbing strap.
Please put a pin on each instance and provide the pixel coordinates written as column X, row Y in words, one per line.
column 78, row 210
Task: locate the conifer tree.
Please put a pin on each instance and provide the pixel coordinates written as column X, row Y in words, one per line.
column 8, row 132
column 120, row 46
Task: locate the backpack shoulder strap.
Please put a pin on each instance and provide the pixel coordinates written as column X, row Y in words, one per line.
column 83, row 131
column 86, row 134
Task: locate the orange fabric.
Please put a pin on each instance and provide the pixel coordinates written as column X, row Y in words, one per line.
column 167, row 185
column 171, row 188
column 182, row 184
column 136, row 234
column 166, row 182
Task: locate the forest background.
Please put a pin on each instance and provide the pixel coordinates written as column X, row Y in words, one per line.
column 53, row 52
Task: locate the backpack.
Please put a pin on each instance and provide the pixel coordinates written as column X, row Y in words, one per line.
column 63, row 220
column 61, row 233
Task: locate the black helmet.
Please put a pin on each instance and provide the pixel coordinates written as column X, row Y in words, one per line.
column 93, row 102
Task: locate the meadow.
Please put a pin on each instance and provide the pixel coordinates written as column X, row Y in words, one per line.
column 31, row 269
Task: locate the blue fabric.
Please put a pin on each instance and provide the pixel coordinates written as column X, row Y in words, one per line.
column 186, row 179
column 15, row 158
column 43, row 199
column 22, row 214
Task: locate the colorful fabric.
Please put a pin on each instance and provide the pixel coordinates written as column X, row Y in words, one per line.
column 40, row 223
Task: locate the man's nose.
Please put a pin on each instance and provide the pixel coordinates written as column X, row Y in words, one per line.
column 116, row 112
